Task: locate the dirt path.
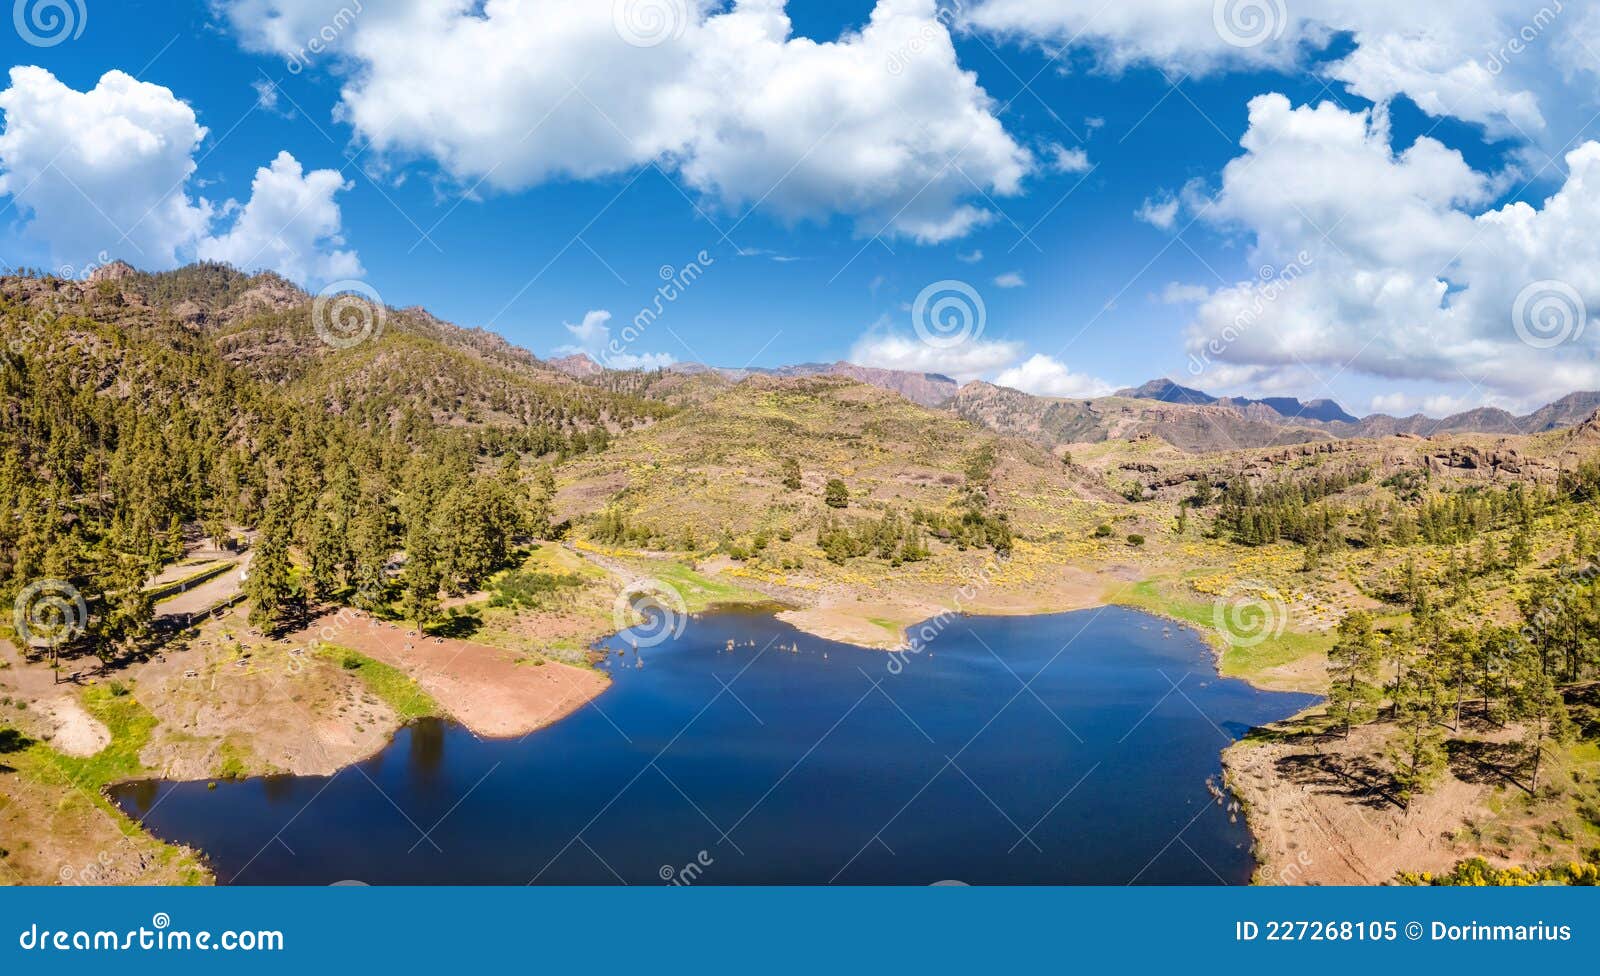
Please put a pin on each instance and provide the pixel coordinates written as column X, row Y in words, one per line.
column 496, row 693
column 206, row 595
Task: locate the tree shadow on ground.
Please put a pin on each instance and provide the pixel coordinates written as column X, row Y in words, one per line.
column 12, row 741
column 459, row 625
column 1357, row 779
column 1485, row 763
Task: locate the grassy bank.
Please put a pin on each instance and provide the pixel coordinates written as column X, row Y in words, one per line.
column 75, row 810
column 1171, row 599
column 392, row 686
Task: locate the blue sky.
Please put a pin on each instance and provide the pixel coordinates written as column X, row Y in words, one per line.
column 1124, row 115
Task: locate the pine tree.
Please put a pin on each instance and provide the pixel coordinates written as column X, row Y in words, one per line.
column 1542, row 709
column 1353, row 670
column 1417, row 755
column 268, row 584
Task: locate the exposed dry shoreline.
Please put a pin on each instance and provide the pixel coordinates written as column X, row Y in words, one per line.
column 496, row 693
column 883, row 621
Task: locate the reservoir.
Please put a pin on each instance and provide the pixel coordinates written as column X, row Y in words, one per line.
column 1078, row 748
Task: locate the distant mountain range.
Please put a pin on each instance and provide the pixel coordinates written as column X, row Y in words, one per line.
column 927, row 389
column 1289, row 408
column 1189, row 418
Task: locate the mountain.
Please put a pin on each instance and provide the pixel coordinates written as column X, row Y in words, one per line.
column 1166, row 391
column 394, row 366
column 1569, row 411
column 578, row 365
column 1189, row 427
column 927, row 389
column 1326, row 411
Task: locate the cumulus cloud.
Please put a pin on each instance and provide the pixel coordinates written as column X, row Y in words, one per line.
column 592, row 338
column 96, row 170
column 967, row 361
column 1177, row 293
column 1400, row 48
column 1384, row 260
column 1043, row 376
column 291, row 224
column 1436, row 405
column 1001, row 361
column 1010, row 279
column 881, row 125
column 1160, row 212
column 108, row 171
column 1064, row 160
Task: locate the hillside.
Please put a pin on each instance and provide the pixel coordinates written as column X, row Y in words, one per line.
column 927, row 389
column 1053, row 422
column 1328, row 416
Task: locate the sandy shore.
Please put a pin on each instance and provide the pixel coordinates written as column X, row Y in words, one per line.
column 882, row 622
column 1319, row 814
column 494, row 692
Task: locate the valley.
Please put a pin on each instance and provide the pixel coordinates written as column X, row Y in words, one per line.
column 286, row 551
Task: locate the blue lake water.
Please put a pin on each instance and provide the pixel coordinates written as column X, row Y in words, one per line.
column 1061, row 749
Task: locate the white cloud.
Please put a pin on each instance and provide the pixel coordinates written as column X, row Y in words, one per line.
column 1043, row 376
column 1394, row 404
column 291, row 224
column 268, row 98
column 1180, row 294
column 1159, row 212
column 1379, row 260
column 95, row 171
column 1010, row 279
column 592, row 338
column 970, row 257
column 1064, row 160
column 881, row 125
column 970, row 360
column 108, row 171
column 1437, row 405
column 1400, row 48
column 976, row 358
